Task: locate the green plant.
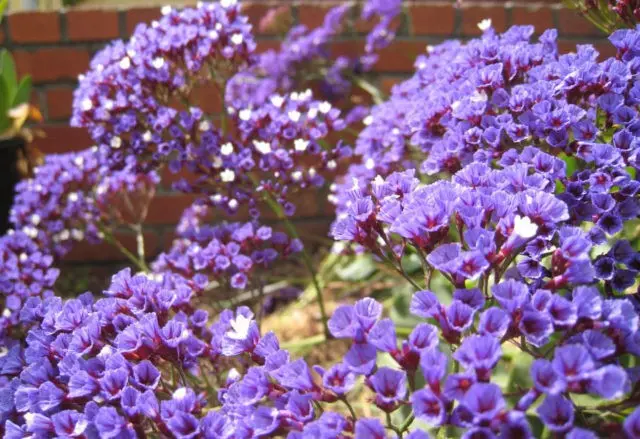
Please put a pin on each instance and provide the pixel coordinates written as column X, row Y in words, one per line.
column 14, row 97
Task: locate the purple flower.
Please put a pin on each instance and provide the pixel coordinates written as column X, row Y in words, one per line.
column 369, row 428
column 484, row 401
column 557, row 413
column 390, row 386
column 428, row 407
column 480, row 353
column 545, row 378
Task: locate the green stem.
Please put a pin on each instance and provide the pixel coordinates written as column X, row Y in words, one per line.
column 376, row 94
column 407, row 423
column 108, row 236
column 351, row 410
column 305, row 342
column 277, row 209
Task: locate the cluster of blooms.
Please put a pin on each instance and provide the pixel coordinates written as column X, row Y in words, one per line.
column 610, row 15
column 25, row 271
column 304, row 51
column 72, row 196
column 538, row 154
column 130, row 99
column 228, row 253
column 127, row 101
column 281, row 141
column 488, row 101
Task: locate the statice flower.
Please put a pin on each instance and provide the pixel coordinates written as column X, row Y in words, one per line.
column 232, row 255
column 126, row 100
column 73, row 197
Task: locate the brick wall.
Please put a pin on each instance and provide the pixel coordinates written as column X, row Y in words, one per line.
column 54, row 47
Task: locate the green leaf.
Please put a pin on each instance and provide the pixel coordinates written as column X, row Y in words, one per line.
column 4, row 106
column 8, row 72
column 361, row 268
column 23, row 93
column 3, row 6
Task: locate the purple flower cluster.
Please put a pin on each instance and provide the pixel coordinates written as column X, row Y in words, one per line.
column 90, row 368
column 304, row 51
column 280, row 147
column 73, row 197
column 507, row 172
column 229, row 254
column 492, row 98
column 25, row 271
column 130, row 99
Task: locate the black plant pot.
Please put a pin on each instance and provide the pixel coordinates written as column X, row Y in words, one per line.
column 9, row 177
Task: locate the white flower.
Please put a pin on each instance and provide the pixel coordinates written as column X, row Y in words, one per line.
column 367, row 120
column 79, row 161
column 158, row 62
column 294, row 115
column 180, row 393
column 147, row 136
column 262, row 147
column 370, row 164
column 296, row 176
column 331, row 164
column 237, row 39
column 300, row 145
column 87, row 104
column 213, row 34
column 312, row 172
column 277, row 100
column 76, row 234
column 245, row 114
column 324, row 107
column 205, row 125
column 165, row 10
column 31, row 232
column 484, row 24
column 116, row 142
column 108, row 105
column 217, row 198
column 226, row 149
column 239, row 328
column 125, row 63
column 228, row 3
column 233, row 203
column 524, row 227
column 23, row 257
column 73, row 197
column 312, row 113
column 35, row 219
column 228, row 176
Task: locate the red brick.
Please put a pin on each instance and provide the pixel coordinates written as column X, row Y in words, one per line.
column 208, row 98
column 386, row 84
column 400, row 56
column 62, row 138
column 540, row 17
column 59, row 101
column 572, row 23
column 34, row 27
column 103, row 252
column 136, row 16
column 473, row 15
column 259, row 12
column 264, row 45
column 431, row 19
column 85, row 25
column 52, row 64
column 166, row 209
column 313, row 15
